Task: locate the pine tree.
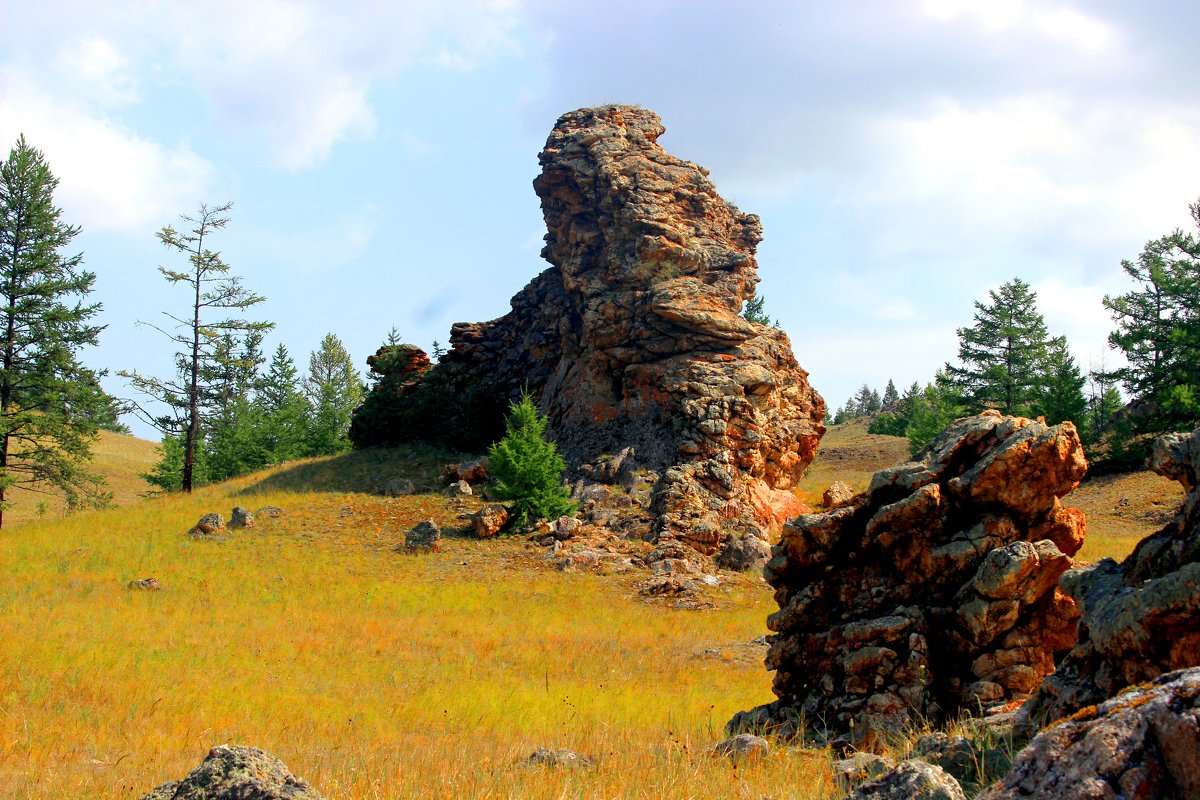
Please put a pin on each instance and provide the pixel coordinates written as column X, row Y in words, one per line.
column 528, row 469
column 285, row 408
column 49, row 402
column 890, row 396
column 1060, row 397
column 1003, row 353
column 754, row 311
column 334, row 389
column 931, row 411
column 235, row 436
column 188, row 395
column 1158, row 331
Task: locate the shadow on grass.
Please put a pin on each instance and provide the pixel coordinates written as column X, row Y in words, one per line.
column 368, row 471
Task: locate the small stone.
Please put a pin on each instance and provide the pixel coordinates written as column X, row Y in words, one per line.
column 459, row 489
column 558, row 758
column 147, row 584
column 860, row 767
column 399, row 487
column 241, row 518
column 270, row 512
column 838, row 494
column 745, row 553
column 489, row 520
column 743, row 747
column 207, row 525
column 911, row 780
column 424, row 536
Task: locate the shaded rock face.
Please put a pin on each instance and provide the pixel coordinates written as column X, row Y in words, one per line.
column 1143, row 743
column 911, row 780
column 932, row 593
column 234, row 772
column 633, row 336
column 1141, row 617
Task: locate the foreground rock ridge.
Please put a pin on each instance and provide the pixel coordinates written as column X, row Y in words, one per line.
column 633, row 338
column 931, row 594
column 1140, row 618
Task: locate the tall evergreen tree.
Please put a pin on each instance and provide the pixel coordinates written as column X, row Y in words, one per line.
column 1158, row 330
column 285, row 408
column 1060, row 396
column 1002, row 354
column 334, row 388
column 49, row 402
column 202, row 340
column 890, row 396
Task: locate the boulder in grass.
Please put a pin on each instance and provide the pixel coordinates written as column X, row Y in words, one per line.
column 234, row 772
column 270, row 512
column 489, row 520
column 558, row 758
column 911, row 780
column 145, row 584
column 838, row 494
column 208, row 525
column 743, row 747
column 424, row 536
column 241, row 518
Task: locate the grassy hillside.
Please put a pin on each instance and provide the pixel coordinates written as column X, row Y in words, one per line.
column 119, row 458
column 380, row 674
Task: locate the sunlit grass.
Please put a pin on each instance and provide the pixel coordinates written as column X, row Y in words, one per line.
column 371, row 672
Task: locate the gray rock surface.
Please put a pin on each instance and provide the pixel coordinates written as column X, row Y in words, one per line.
column 235, row 772
column 838, row 494
column 241, row 517
column 1140, row 618
column 558, row 758
column 424, row 535
column 910, row 780
column 208, row 525
column 743, row 747
column 1144, row 744
column 399, row 487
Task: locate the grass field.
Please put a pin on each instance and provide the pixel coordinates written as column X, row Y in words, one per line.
column 374, row 673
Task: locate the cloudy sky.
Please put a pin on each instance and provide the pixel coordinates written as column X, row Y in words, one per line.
column 906, row 156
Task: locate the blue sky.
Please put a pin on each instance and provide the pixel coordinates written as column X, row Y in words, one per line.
column 905, row 157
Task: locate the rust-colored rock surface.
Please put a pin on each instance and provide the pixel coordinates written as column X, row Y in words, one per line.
column 1141, row 617
column 633, row 338
column 932, row 593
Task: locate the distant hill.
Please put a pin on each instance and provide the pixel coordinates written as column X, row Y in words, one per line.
column 120, row 458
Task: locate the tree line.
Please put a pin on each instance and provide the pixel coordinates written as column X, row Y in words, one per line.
column 1008, row 361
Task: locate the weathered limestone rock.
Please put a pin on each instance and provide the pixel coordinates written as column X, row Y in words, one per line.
column 1143, row 743
column 910, row 780
column 1141, row 617
column 460, row 489
column 934, row 592
column 634, row 336
column 488, row 520
column 472, row 472
column 424, row 535
column 145, row 584
column 207, row 525
column 234, row 772
column 241, row 517
column 399, row 487
column 270, row 512
column 838, row 494
column 743, row 747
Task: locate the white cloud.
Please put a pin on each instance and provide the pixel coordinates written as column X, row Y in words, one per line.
column 110, row 178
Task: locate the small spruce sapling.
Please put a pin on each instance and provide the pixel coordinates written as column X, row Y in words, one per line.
column 527, row 468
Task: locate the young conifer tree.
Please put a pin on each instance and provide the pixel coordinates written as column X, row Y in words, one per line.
column 49, row 402
column 527, row 468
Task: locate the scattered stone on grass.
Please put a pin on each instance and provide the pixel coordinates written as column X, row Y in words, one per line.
column 489, row 520
column 558, row 758
column 424, row 535
column 745, row 553
column 269, row 512
column 241, row 518
column 743, row 747
column 235, row 772
column 146, row 584
column 459, row 489
column 399, row 487
column 208, row 525
column 859, row 768
column 910, row 780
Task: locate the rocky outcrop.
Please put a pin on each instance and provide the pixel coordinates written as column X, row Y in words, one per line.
column 932, row 593
column 634, row 336
column 234, row 772
column 1141, row 617
column 1143, row 743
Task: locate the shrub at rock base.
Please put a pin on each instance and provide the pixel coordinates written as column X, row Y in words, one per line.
column 527, row 468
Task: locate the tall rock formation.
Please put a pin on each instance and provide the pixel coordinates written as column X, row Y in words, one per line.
column 934, row 592
column 633, row 337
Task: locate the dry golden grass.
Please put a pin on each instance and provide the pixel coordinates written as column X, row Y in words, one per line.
column 380, row 674
column 119, row 458
column 372, row 673
column 848, row 453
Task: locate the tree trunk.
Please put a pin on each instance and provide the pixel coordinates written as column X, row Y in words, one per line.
column 193, row 429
